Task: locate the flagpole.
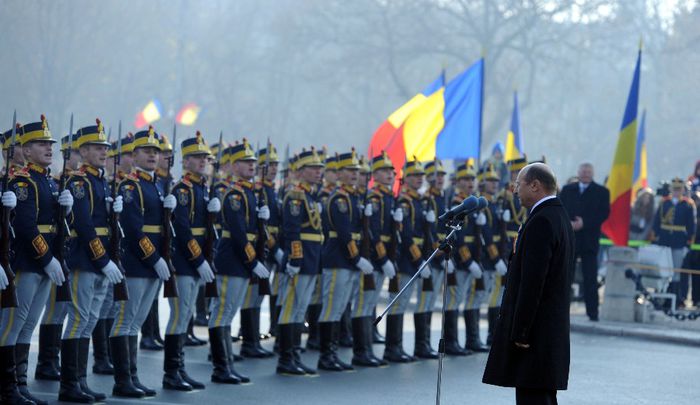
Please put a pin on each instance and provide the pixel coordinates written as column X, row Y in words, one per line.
column 481, row 110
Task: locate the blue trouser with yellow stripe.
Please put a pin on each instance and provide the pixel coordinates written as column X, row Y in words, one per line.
column 231, row 295
column 294, row 297
column 17, row 324
column 401, row 304
column 252, row 298
column 363, row 302
column 426, row 299
column 474, row 297
column 182, row 307
column 55, row 311
column 337, row 285
column 494, row 286
column 457, row 293
column 88, row 291
column 130, row 315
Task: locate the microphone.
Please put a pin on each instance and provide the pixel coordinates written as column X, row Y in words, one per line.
column 468, row 205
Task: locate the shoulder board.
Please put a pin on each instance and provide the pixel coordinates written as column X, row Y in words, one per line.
column 295, row 194
column 405, row 198
column 340, row 191
column 132, row 176
column 183, row 184
column 23, row 172
column 375, row 194
column 689, row 201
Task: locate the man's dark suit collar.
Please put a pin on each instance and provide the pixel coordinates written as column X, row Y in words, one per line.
column 547, row 203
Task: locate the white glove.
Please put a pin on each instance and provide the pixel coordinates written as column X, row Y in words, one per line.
column 425, row 273
column 214, row 205
column 205, row 272
column 54, row 271
column 111, row 271
column 450, row 267
column 263, row 212
column 397, row 214
column 9, row 199
column 430, row 216
column 365, row 266
column 319, row 207
column 279, row 256
column 169, row 202
column 65, row 200
column 4, row 282
column 261, row 271
column 117, row 206
column 389, row 269
column 501, row 267
column 368, row 210
column 161, row 268
column 481, row 219
column 292, row 270
column 506, row 215
column 475, row 269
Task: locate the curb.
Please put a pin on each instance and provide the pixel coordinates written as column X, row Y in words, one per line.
column 685, row 338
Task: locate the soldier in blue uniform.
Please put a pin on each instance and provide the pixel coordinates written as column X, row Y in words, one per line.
column 92, row 270
column 342, row 262
column 303, row 238
column 235, row 260
column 381, row 200
column 674, row 226
column 47, row 366
column 141, row 220
column 35, row 266
column 189, row 219
column 410, row 257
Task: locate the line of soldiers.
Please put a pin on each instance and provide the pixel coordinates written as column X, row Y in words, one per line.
column 321, row 246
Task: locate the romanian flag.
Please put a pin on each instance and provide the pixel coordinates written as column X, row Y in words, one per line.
column 188, row 114
column 640, row 160
column 514, row 140
column 616, row 227
column 149, row 114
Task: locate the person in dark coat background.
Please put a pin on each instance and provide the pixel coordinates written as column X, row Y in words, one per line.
column 530, row 349
column 588, row 205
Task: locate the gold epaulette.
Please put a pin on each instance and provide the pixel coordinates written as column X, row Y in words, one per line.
column 23, row 172
column 296, row 194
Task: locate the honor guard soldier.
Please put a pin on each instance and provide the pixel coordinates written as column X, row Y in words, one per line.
column 235, row 260
column 381, row 224
column 189, row 219
column 92, row 270
column 674, row 226
column 303, row 239
column 142, row 222
column 268, row 156
column 342, row 262
column 494, row 263
column 102, row 359
column 466, row 268
column 17, row 162
column 410, row 258
column 34, row 263
column 51, row 327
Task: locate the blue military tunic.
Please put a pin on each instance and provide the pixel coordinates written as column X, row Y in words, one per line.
column 269, row 196
column 189, row 222
column 381, row 223
column 89, row 226
column 490, row 232
column 674, row 224
column 342, row 211
column 235, row 253
column 465, row 241
column 141, row 220
column 303, row 233
column 34, row 219
column 410, row 254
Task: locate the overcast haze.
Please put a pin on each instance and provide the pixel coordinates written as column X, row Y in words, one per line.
column 328, row 72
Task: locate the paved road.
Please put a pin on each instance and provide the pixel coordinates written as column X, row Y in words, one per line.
column 605, row 370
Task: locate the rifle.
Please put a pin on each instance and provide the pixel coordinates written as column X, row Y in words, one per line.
column 63, row 293
column 8, row 297
column 169, row 287
column 210, row 289
column 394, row 244
column 261, row 250
column 366, row 244
column 121, row 292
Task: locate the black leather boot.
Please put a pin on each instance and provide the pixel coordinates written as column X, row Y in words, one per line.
column 123, row 387
column 298, row 327
column 360, row 356
column 256, row 329
column 171, row 365
column 251, row 337
column 345, row 328
column 190, row 338
column 9, row 393
column 100, row 352
column 422, row 347
column 376, row 336
column 183, row 373
column 148, row 330
column 70, row 389
column 274, row 313
column 133, row 363
column 232, row 359
column 286, row 365
column 393, row 351
column 452, row 346
column 219, row 357
column 312, row 314
column 493, row 319
column 367, row 324
column 49, row 347
column 22, row 362
column 83, row 352
column 471, row 318
column 327, row 359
